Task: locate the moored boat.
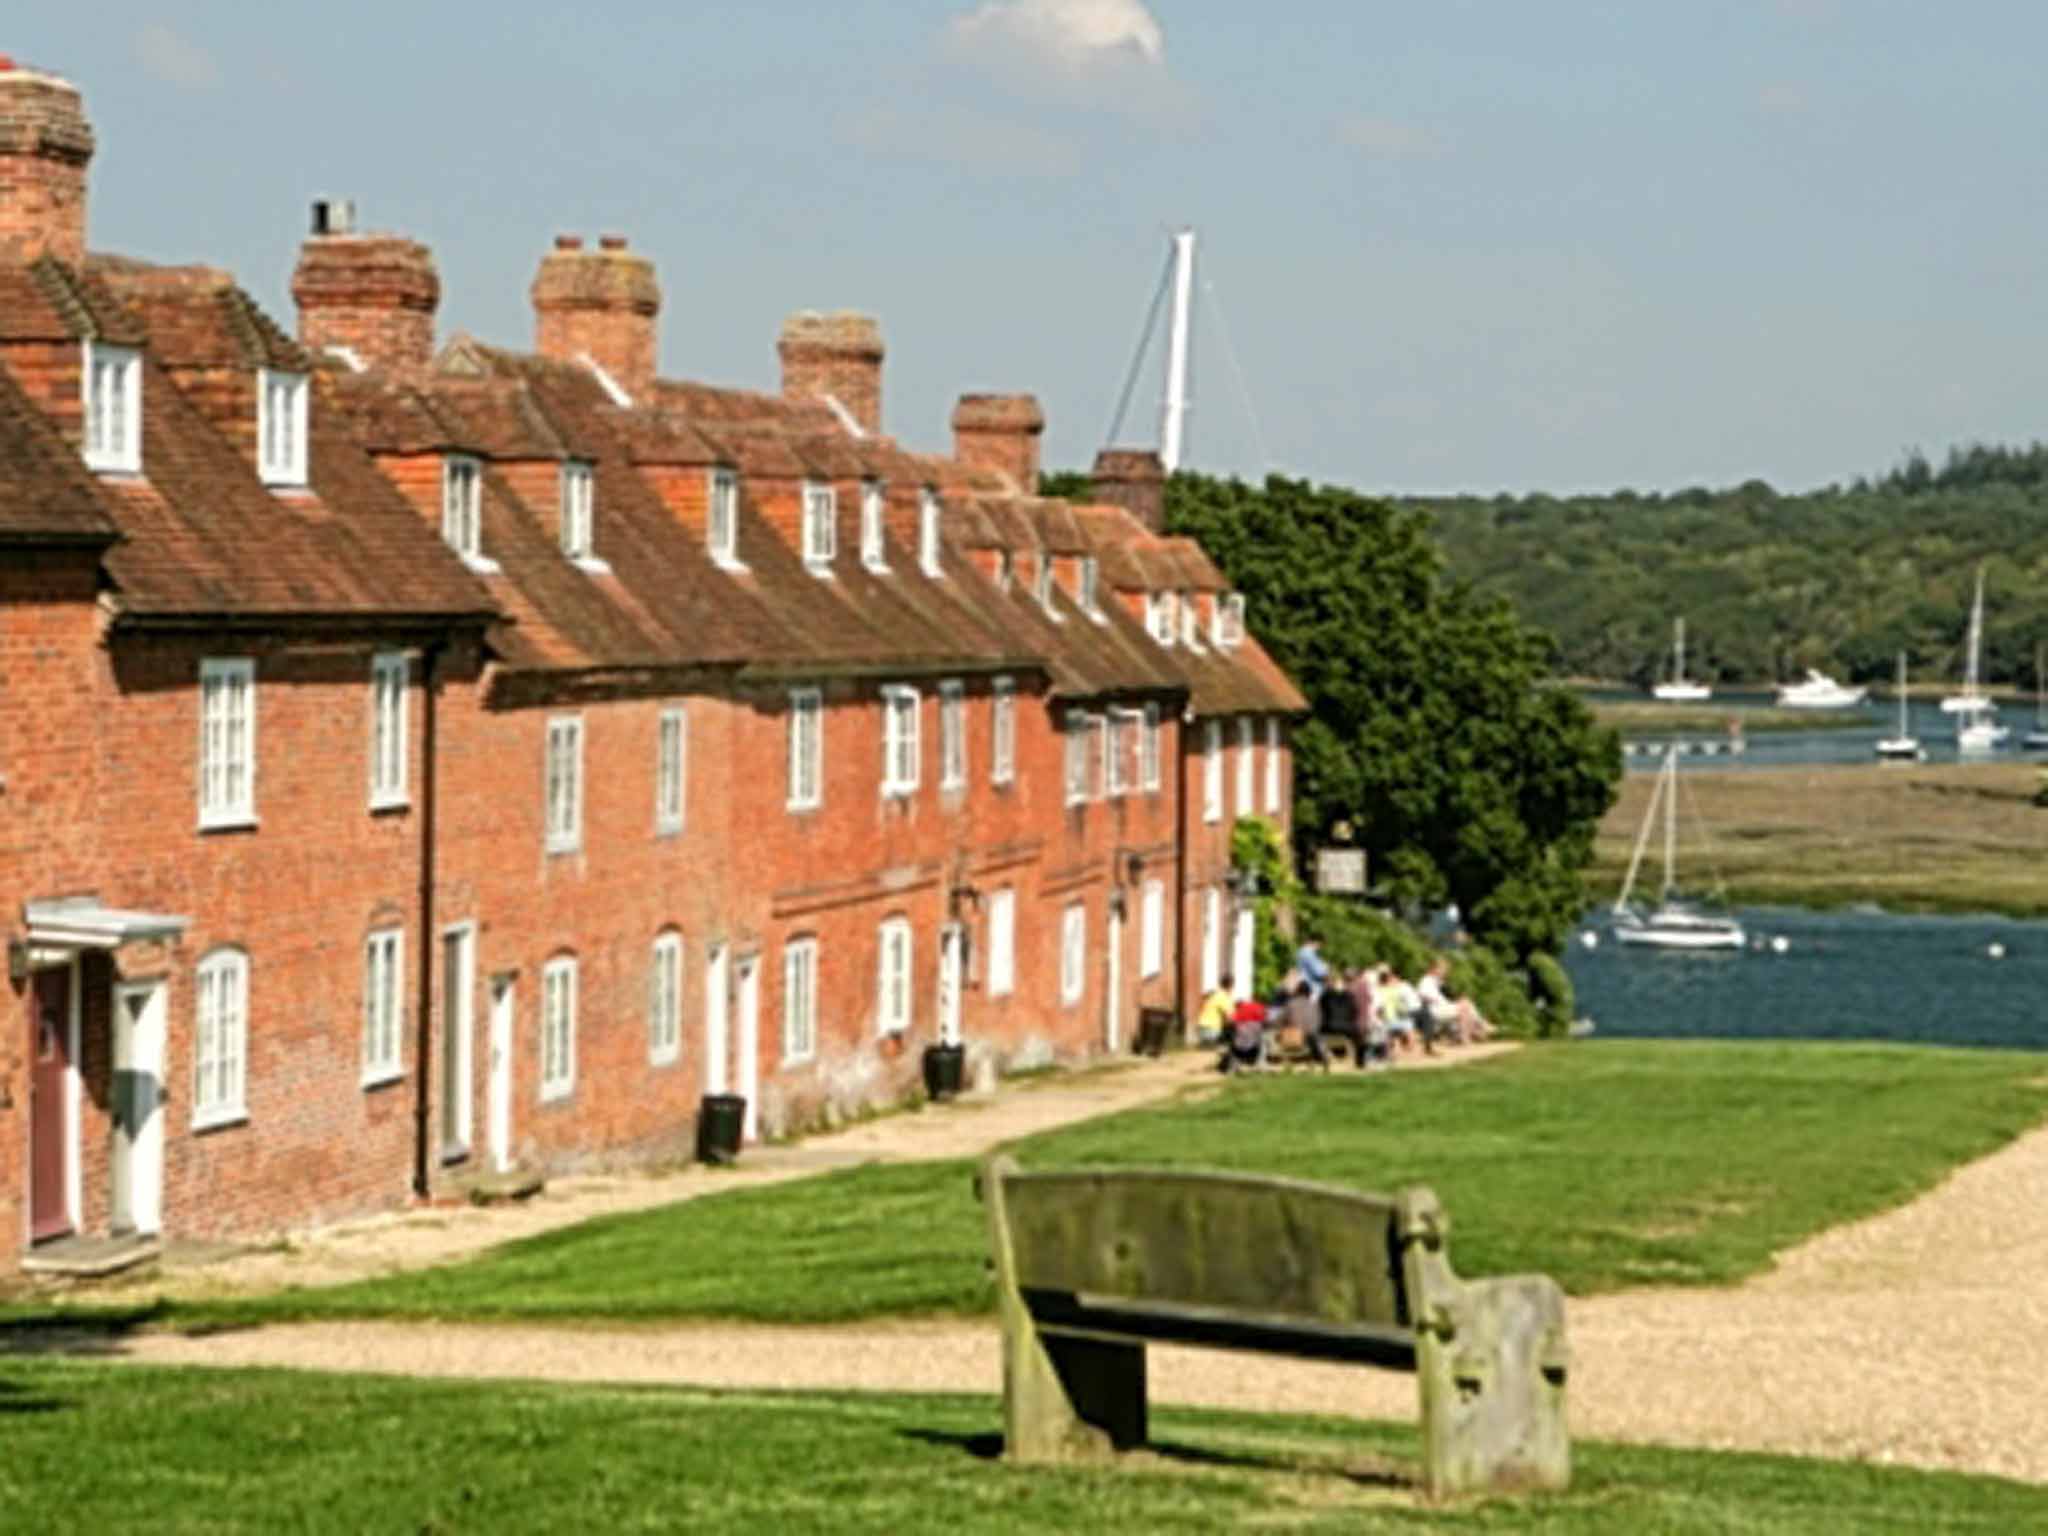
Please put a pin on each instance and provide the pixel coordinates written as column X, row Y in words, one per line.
column 1672, row 923
column 1819, row 691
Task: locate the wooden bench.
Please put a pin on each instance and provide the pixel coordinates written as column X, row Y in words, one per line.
column 1092, row 1265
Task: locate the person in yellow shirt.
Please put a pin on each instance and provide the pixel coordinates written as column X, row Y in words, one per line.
column 1214, row 1018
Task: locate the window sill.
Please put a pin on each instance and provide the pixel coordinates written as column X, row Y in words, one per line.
column 803, row 807
column 821, row 571
column 383, row 1077
column 898, row 791
column 669, row 829
column 286, row 481
column 481, row 565
column 557, row 850
column 590, row 565
column 241, row 823
column 115, row 469
column 220, row 1120
column 557, row 1094
column 668, row 1058
column 875, row 567
column 388, row 806
column 798, row 1059
column 729, row 564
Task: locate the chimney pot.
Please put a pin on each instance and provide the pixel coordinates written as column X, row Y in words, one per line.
column 6, row 63
column 611, row 242
column 599, row 305
column 568, row 242
column 374, row 294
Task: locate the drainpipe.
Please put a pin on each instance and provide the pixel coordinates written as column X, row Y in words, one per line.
column 430, row 656
column 1180, row 877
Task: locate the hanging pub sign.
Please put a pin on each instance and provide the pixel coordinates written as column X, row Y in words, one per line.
column 1340, row 871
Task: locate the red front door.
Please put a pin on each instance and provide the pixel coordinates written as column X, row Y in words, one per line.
column 49, row 1106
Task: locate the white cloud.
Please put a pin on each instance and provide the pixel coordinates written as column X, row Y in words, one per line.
column 1070, row 37
column 176, row 60
column 1386, row 138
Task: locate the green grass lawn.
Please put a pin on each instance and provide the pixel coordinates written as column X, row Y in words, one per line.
column 98, row 1447
column 1604, row 1165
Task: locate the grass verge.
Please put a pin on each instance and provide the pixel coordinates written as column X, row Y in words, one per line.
column 99, row 1447
column 1605, row 1165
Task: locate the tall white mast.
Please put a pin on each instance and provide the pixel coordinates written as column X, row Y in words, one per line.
column 1173, row 417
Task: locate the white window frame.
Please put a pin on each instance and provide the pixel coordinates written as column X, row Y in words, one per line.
column 110, row 388
column 722, row 518
column 390, row 680
column 1073, row 953
column 671, row 770
column 1160, row 619
column 227, row 741
column 1121, row 753
column 799, row 1000
column 1191, row 623
column 929, row 514
column 1273, row 775
column 1089, row 582
column 1002, row 942
column 952, row 734
column 895, row 970
column 281, row 417
column 220, row 1040
column 806, row 749
column 874, row 552
column 1148, row 751
column 1076, row 733
column 1152, row 929
column 558, row 987
column 562, row 784
column 462, row 505
column 902, row 754
column 1045, row 587
column 1101, row 738
column 1247, row 760
column 1002, row 766
column 579, row 511
column 1212, row 770
column 1227, row 631
column 819, row 532
column 665, row 1000
column 383, row 1006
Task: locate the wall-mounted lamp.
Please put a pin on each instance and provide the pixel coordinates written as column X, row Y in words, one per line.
column 1134, row 868
column 964, row 898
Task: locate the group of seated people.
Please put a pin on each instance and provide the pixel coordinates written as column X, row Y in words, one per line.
column 1376, row 1011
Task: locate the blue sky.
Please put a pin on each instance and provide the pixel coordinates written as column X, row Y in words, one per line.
column 1456, row 245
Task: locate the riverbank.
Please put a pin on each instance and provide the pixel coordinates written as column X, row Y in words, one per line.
column 1951, row 837
column 1646, row 717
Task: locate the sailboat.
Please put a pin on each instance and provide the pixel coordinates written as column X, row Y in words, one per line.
column 1681, row 689
column 1904, row 747
column 2036, row 740
column 1671, row 924
column 1977, row 728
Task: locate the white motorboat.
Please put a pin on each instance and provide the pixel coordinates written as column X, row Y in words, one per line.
column 1678, row 688
column 1904, row 747
column 1819, row 691
column 1671, row 923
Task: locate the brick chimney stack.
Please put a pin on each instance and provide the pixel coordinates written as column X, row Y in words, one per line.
column 373, row 294
column 45, row 146
column 1134, row 479
column 601, row 305
column 838, row 355
column 1000, row 433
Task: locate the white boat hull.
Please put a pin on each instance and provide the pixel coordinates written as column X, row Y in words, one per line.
column 1699, row 933
column 1681, row 693
column 1902, row 749
column 1982, row 737
column 1819, row 691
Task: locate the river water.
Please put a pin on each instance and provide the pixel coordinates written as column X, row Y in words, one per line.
column 1837, row 742
column 1856, row 974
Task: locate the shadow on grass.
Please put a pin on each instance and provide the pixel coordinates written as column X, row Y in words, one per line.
column 14, row 1400
column 989, row 1447
column 75, row 1334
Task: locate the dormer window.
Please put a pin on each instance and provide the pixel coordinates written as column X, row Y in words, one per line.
column 579, row 495
column 723, row 520
column 821, row 514
column 281, row 427
column 462, row 493
column 1162, row 618
column 1190, row 622
column 112, row 386
column 871, row 549
column 1043, row 590
column 1088, row 586
column 1228, row 629
column 1006, row 570
column 928, row 531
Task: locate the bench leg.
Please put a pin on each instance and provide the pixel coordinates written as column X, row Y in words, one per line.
column 1068, row 1399
column 1493, row 1417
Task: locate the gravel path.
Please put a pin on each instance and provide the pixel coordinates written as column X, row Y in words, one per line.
column 1919, row 1336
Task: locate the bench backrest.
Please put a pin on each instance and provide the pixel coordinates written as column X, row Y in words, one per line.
column 1282, row 1247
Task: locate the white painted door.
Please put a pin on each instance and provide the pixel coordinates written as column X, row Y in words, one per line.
column 750, row 1043
column 1113, row 998
column 138, row 1093
column 504, row 996
column 458, row 1024
column 717, row 1075
column 952, row 963
column 1241, row 959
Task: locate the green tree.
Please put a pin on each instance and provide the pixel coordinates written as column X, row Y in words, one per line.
column 1465, row 780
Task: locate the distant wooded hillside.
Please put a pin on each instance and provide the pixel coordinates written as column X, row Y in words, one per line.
column 1842, row 578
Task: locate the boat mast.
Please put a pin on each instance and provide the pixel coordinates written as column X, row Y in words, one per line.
column 1976, row 636
column 1173, row 415
column 1635, row 859
column 1670, row 818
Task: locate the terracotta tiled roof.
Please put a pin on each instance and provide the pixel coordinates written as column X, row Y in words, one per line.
column 45, row 491
column 197, row 317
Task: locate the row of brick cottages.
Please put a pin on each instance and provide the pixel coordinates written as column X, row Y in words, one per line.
column 423, row 762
